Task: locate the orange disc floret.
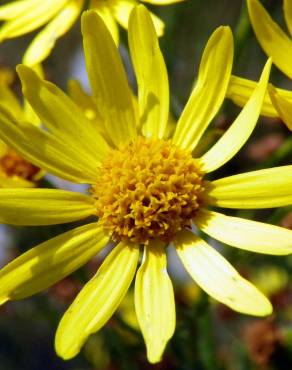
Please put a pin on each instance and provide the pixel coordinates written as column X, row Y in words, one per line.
column 147, row 189
column 12, row 164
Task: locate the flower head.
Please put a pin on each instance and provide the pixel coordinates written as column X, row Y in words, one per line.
column 58, row 16
column 146, row 188
column 277, row 45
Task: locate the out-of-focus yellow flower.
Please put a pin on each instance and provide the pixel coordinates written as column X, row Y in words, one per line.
column 146, row 190
column 58, row 16
column 278, row 45
column 15, row 171
column 270, row 279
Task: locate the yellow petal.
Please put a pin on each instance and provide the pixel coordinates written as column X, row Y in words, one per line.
column 14, row 182
column 240, row 90
column 210, row 89
column 43, row 206
column 282, row 105
column 9, row 100
column 253, row 189
column 122, row 10
column 45, row 151
column 97, row 301
column 154, row 302
column 273, row 40
column 287, row 5
column 245, row 234
column 15, row 9
column 32, row 18
column 29, row 114
column 62, row 117
column 103, row 10
column 218, row 278
column 238, row 133
column 108, row 79
column 151, row 74
column 45, row 41
column 50, row 262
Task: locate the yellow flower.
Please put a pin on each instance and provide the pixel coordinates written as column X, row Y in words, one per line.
column 15, row 171
column 58, row 16
column 146, row 189
column 278, row 45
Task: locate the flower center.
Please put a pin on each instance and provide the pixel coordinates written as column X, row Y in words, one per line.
column 12, row 164
column 146, row 190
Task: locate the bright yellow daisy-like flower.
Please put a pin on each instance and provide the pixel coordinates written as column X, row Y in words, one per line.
column 146, row 189
column 278, row 45
column 58, row 16
column 15, row 171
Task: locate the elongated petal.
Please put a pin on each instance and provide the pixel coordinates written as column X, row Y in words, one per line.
column 218, row 278
column 16, row 8
column 97, row 301
column 154, row 302
column 104, row 11
column 44, row 42
column 241, row 89
column 151, row 74
column 245, row 234
column 282, row 105
column 43, row 206
column 253, row 189
column 45, row 151
column 108, row 79
column 273, row 40
column 122, row 10
column 210, row 89
column 62, row 117
column 288, row 14
column 9, row 100
column 30, row 19
column 238, row 133
column 50, row 262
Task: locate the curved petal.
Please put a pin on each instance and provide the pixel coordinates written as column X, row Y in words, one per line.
column 50, row 262
column 154, row 301
column 43, row 206
column 104, row 11
column 282, row 105
column 108, row 79
column 246, row 234
column 38, row 14
column 253, row 189
column 62, row 117
column 240, row 90
column 210, row 89
column 151, row 74
column 273, row 40
column 44, row 42
column 122, row 10
column 218, row 278
column 46, row 151
column 238, row 133
column 287, row 5
column 97, row 301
